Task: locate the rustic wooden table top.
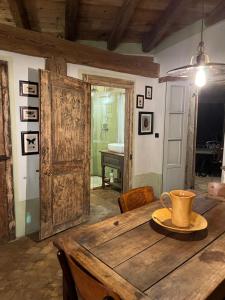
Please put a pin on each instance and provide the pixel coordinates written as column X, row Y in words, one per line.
column 138, row 260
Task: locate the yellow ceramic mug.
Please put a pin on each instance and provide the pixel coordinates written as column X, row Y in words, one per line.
column 181, row 206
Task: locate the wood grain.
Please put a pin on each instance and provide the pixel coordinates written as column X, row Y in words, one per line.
column 19, row 13
column 97, row 234
column 7, row 220
column 65, row 157
column 71, row 19
column 208, row 267
column 100, row 271
column 122, row 20
column 57, row 65
column 158, row 261
column 44, row 45
column 152, row 38
column 216, row 15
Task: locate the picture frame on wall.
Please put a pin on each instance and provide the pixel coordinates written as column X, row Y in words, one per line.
column 145, row 123
column 29, row 88
column 30, row 142
column 148, row 92
column 140, row 101
column 29, row 114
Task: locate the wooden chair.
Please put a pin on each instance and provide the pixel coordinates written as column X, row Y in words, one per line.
column 76, row 278
column 136, row 198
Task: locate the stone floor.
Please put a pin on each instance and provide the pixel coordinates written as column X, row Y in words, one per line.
column 201, row 183
column 30, row 270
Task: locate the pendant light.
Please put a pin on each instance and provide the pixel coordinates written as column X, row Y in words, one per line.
column 200, row 66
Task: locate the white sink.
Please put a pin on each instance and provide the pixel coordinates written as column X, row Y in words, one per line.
column 116, row 147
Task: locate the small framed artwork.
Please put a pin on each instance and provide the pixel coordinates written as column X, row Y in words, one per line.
column 30, row 142
column 145, row 123
column 29, row 88
column 148, row 92
column 140, row 101
column 29, row 114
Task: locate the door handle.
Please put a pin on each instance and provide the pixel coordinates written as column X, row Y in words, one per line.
column 4, row 157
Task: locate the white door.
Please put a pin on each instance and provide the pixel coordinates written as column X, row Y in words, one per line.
column 175, row 135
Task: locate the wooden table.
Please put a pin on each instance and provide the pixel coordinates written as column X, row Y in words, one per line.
column 140, row 261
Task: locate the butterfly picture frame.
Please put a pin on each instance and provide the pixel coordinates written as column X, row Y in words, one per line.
column 30, row 142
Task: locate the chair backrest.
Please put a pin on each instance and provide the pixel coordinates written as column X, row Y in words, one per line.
column 136, row 198
column 87, row 285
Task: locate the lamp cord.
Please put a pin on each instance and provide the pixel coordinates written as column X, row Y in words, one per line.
column 203, row 14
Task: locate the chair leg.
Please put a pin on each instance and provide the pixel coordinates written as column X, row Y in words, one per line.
column 69, row 289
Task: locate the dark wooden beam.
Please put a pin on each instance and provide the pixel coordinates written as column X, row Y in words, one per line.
column 121, row 22
column 45, row 45
column 217, row 14
column 152, row 38
column 19, row 13
column 71, row 14
column 57, row 65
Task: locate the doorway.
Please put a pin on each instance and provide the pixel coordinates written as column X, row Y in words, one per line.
column 111, row 137
column 209, row 136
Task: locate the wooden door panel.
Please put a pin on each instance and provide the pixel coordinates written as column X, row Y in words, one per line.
column 66, row 211
column 65, row 152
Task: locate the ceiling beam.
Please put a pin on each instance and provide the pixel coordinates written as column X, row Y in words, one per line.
column 121, row 22
column 38, row 44
column 217, row 14
column 19, row 13
column 71, row 19
column 155, row 35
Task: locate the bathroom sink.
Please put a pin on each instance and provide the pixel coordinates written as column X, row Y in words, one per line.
column 116, row 147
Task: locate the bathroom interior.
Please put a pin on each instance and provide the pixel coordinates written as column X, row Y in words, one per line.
column 107, row 136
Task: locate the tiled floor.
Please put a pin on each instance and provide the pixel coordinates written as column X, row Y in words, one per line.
column 201, row 183
column 30, row 270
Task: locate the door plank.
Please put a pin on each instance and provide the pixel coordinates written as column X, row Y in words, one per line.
column 93, row 235
column 208, row 266
column 65, row 147
column 99, row 270
column 158, row 261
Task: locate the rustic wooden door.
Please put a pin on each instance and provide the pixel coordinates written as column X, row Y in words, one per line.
column 7, row 217
column 175, row 136
column 64, row 152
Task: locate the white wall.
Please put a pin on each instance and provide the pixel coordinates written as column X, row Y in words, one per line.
column 26, row 184
column 148, row 150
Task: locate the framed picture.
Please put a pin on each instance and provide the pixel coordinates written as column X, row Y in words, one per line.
column 29, row 88
column 140, row 101
column 29, row 114
column 30, row 142
column 145, row 123
column 148, row 92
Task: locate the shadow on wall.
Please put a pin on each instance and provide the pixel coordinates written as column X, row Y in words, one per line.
column 31, row 161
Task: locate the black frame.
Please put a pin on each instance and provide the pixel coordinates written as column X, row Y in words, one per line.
column 22, row 142
column 22, row 82
column 143, row 99
column 22, row 108
column 146, row 88
column 139, row 122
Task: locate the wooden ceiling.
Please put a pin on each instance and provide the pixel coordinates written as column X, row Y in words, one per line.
column 115, row 21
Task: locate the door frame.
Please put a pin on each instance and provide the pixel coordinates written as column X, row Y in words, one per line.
column 7, row 155
column 192, row 135
column 128, row 129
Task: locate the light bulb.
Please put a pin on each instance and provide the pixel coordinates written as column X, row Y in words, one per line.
column 200, row 78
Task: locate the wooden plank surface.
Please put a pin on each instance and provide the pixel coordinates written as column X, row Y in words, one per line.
column 135, row 241
column 99, row 270
column 27, row 42
column 93, row 235
column 207, row 267
column 162, row 258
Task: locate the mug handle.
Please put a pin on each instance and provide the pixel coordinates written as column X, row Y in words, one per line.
column 163, row 203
